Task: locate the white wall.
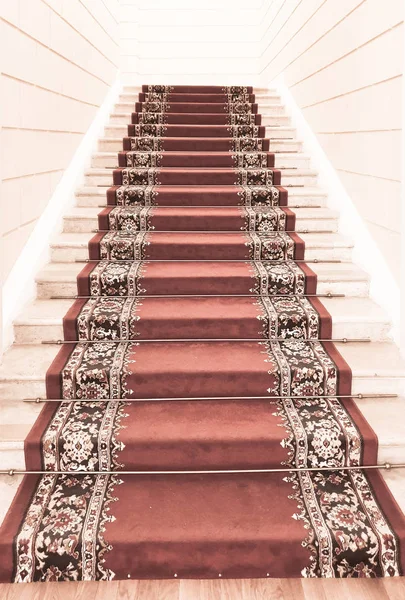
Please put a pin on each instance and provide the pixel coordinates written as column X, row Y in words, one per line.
column 189, row 41
column 59, row 59
column 343, row 62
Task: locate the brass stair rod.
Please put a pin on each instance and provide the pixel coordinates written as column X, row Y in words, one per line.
column 209, row 398
column 202, row 340
column 188, row 260
column 140, row 296
column 213, row 232
column 295, row 206
column 386, row 466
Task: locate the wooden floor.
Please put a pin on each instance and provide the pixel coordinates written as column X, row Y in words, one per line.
column 232, row 589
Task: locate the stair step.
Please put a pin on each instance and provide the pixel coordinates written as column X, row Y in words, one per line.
column 382, row 416
column 394, row 479
column 195, row 176
column 68, row 247
column 282, row 159
column 289, row 177
column 271, row 115
column 278, row 144
column 297, row 197
column 125, row 109
column 85, row 219
column 266, row 96
column 377, row 368
column 351, row 318
column 271, row 119
column 59, row 279
column 197, row 105
column 194, row 512
column 129, row 88
column 278, row 135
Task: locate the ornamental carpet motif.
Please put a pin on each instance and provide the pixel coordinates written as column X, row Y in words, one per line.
column 197, row 343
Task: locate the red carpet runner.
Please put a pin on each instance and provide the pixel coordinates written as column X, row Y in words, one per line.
column 196, row 244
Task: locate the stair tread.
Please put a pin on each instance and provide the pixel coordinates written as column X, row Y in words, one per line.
column 381, row 415
column 194, row 513
column 321, row 213
column 395, row 480
column 286, row 172
column 295, row 154
column 292, row 192
column 270, row 101
column 352, row 309
column 31, row 361
column 67, row 272
column 317, row 240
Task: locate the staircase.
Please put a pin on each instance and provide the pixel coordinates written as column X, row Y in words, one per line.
column 194, row 230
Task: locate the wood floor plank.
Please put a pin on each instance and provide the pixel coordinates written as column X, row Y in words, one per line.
column 355, row 589
column 101, row 590
column 247, row 589
column 273, row 589
column 226, row 589
column 212, row 589
column 148, row 590
column 395, row 588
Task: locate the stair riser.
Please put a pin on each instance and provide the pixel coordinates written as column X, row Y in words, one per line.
column 287, row 179
column 272, row 131
column 115, row 144
column 377, row 331
column 12, row 455
column 27, row 413
column 84, row 200
column 282, row 120
column 263, row 98
column 88, row 225
column 285, row 160
column 16, row 390
column 349, row 288
column 272, row 115
column 66, row 254
column 123, row 116
column 15, row 459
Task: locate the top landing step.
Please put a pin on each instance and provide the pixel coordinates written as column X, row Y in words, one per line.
column 198, row 89
column 130, row 89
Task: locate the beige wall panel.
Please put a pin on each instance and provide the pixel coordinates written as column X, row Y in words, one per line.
column 361, row 68
column 30, row 107
column 369, row 20
column 60, row 58
column 390, row 246
column 373, row 108
column 367, row 153
column 216, row 48
column 12, row 245
column 275, row 42
column 44, row 151
column 172, row 33
column 183, row 66
column 312, row 28
column 376, row 199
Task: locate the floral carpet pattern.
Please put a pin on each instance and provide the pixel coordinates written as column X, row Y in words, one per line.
column 197, row 347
